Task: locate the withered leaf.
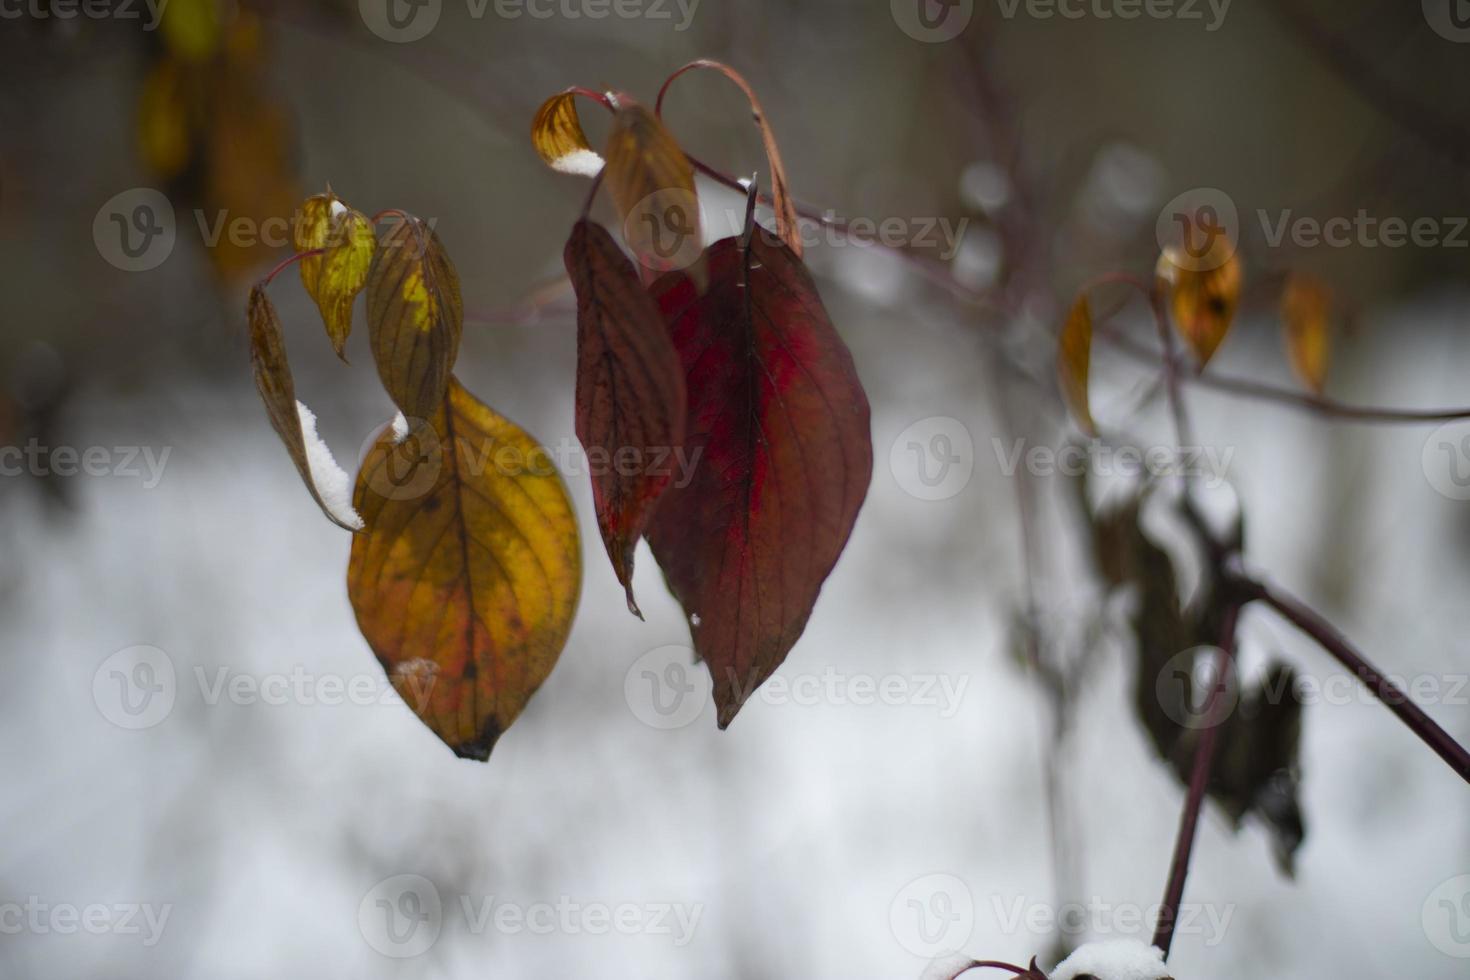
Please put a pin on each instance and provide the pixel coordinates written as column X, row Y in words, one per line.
column 1074, row 355
column 334, row 278
column 1306, row 309
column 652, row 186
column 630, row 393
column 1203, row 295
column 292, row 420
column 557, row 135
column 467, row 575
column 415, row 316
column 779, row 422
column 787, row 225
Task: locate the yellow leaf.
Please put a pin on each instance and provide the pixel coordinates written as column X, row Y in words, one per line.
column 467, row 577
column 191, row 28
column 292, row 420
column 557, row 135
column 1306, row 307
column 163, row 120
column 415, row 316
column 1203, row 295
column 652, row 186
column 334, row 278
column 1074, row 354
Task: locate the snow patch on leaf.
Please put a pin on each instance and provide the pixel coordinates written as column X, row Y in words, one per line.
column 582, row 163
column 400, row 428
column 1119, row 959
column 331, row 481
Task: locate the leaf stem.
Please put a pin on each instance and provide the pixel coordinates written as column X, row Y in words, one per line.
column 286, row 263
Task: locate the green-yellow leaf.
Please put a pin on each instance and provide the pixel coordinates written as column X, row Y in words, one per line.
column 335, row 277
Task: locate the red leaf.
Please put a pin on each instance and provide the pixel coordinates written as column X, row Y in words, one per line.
column 779, row 423
column 630, row 393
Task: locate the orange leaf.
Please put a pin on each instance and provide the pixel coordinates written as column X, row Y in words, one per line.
column 652, row 186
column 1074, row 354
column 557, row 135
column 786, row 217
column 466, row 578
column 1203, row 294
column 1306, row 307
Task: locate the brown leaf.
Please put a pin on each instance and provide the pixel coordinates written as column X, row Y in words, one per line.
column 1306, row 310
column 1074, row 354
column 630, row 393
column 787, row 225
column 334, row 278
column 415, row 316
column 1203, row 294
column 466, row 578
column 557, row 135
column 779, row 421
column 292, row 420
column 652, row 186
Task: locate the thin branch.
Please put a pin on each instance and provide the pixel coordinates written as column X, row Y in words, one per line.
column 1199, row 781
column 1397, row 701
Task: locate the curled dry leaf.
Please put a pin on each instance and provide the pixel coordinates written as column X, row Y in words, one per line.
column 335, row 277
column 1203, row 295
column 415, row 316
column 293, row 421
column 1074, row 354
column 466, row 578
column 557, row 135
column 652, row 186
column 1306, row 309
column 787, row 225
column 778, row 422
column 630, row 393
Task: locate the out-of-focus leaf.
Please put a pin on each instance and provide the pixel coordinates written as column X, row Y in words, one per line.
column 1074, row 355
column 1203, row 295
column 334, row 278
column 164, row 131
column 1306, row 309
column 787, row 225
column 1258, row 770
column 191, row 28
column 630, row 393
column 780, row 422
column 466, row 578
column 557, row 135
column 652, row 186
column 292, row 420
column 415, row 316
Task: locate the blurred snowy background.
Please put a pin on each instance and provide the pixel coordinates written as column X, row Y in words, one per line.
column 884, row 797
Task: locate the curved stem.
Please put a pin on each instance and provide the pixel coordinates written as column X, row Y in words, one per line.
column 1331, row 639
column 287, row 262
column 991, row 965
